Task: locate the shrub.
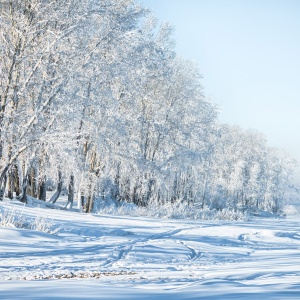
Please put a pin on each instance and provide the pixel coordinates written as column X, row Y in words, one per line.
column 15, row 218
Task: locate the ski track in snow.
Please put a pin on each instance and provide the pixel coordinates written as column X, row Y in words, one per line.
column 144, row 256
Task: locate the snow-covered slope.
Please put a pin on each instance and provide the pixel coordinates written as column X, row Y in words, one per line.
column 111, row 257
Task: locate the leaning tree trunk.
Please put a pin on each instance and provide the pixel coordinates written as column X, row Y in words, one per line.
column 3, row 188
column 3, row 178
column 58, row 190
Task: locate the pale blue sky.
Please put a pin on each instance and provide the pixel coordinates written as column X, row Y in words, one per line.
column 248, row 52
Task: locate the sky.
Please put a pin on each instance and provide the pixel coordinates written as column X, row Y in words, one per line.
column 248, row 53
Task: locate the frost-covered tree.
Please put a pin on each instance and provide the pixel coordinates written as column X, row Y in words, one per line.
column 243, row 173
column 38, row 47
column 95, row 101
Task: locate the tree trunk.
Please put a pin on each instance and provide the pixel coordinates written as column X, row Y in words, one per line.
column 81, row 199
column 42, row 189
column 32, row 182
column 90, row 198
column 24, row 189
column 3, row 178
column 89, row 203
column 42, row 186
column 10, row 184
column 16, row 175
column 58, row 190
column 3, row 188
column 71, row 192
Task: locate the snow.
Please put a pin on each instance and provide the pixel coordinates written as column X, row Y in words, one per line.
column 123, row 257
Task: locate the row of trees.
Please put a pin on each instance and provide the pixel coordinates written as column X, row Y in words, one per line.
column 94, row 99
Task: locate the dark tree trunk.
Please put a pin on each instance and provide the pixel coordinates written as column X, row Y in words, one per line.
column 10, row 184
column 42, row 189
column 71, row 192
column 4, row 184
column 32, row 182
column 58, row 190
column 3, row 178
column 82, row 200
column 16, row 180
column 24, row 189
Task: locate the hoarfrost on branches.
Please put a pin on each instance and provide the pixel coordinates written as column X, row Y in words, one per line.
column 96, row 103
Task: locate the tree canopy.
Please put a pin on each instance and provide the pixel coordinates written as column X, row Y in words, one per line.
column 95, row 100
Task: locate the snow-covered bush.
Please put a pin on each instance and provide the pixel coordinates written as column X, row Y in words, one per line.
column 176, row 210
column 290, row 210
column 15, row 218
column 44, row 225
column 12, row 218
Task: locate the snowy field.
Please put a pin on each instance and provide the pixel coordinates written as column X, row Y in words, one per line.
column 119, row 257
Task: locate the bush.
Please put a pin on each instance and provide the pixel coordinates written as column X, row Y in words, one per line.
column 175, row 210
column 15, row 218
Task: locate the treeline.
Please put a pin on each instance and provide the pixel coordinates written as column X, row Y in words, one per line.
column 95, row 100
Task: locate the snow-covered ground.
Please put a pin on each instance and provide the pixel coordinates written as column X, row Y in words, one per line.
column 119, row 257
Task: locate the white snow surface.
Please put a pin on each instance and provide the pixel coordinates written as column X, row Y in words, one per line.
column 119, row 257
